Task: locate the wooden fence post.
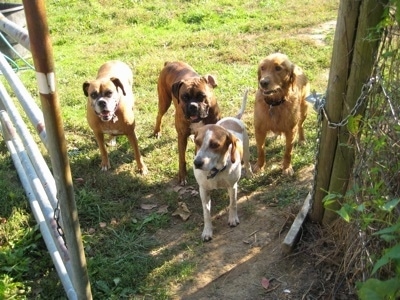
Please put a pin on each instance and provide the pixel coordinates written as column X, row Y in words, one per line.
column 365, row 52
column 340, row 65
column 354, row 52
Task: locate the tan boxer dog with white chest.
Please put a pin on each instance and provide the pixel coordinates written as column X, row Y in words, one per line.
column 194, row 101
column 110, row 108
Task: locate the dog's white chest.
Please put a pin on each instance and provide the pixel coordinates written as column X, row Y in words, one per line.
column 226, row 179
column 194, row 126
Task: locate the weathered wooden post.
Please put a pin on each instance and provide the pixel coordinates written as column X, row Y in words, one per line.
column 351, row 66
column 340, row 65
column 365, row 52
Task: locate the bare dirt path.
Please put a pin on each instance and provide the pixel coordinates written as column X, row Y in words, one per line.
column 248, row 262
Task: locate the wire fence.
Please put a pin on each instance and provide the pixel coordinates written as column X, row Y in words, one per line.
column 374, row 193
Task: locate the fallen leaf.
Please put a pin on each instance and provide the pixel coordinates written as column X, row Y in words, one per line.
column 113, row 221
column 163, row 209
column 102, row 224
column 147, row 206
column 182, row 191
column 182, row 211
column 91, row 230
column 177, row 188
column 265, row 283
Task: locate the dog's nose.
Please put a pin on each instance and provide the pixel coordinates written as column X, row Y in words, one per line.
column 193, row 107
column 198, row 163
column 264, row 82
column 102, row 104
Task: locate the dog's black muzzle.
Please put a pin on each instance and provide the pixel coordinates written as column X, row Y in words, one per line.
column 196, row 111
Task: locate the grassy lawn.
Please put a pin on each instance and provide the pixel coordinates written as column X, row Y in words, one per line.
column 224, row 38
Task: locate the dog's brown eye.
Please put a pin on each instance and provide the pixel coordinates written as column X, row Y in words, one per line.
column 214, row 145
column 185, row 97
column 108, row 94
column 94, row 95
column 278, row 68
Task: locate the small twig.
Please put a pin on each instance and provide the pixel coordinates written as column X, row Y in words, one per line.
column 284, row 224
column 272, row 289
column 254, row 232
column 227, row 231
column 309, row 288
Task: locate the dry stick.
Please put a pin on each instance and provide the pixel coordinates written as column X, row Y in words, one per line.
column 272, row 289
column 254, row 232
column 308, row 290
column 283, row 225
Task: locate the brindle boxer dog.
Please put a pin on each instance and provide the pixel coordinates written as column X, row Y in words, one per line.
column 110, row 108
column 194, row 102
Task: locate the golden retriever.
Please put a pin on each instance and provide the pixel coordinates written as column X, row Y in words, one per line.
column 280, row 106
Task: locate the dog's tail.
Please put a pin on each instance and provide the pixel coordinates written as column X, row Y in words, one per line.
column 243, row 107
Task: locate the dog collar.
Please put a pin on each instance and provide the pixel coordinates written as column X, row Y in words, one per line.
column 215, row 171
column 274, row 103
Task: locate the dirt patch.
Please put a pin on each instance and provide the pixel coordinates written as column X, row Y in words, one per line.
column 248, row 262
column 319, row 33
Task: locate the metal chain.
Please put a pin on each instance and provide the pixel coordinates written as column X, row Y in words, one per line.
column 318, row 105
column 319, row 101
column 365, row 91
column 57, row 212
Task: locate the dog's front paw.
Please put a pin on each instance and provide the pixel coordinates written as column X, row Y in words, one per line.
column 157, row 134
column 288, row 171
column 143, row 171
column 182, row 181
column 206, row 235
column 248, row 173
column 105, row 165
column 233, row 221
column 257, row 168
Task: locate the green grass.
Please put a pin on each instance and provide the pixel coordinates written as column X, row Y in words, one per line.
column 224, row 38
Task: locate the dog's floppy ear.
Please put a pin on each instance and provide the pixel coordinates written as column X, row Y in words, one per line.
column 292, row 75
column 211, row 80
column 118, row 83
column 235, row 146
column 175, row 89
column 85, row 87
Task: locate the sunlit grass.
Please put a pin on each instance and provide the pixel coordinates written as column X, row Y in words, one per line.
column 224, row 38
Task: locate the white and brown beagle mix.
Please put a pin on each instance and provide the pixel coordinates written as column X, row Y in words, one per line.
column 220, row 150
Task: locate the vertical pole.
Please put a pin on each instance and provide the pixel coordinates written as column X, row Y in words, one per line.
column 365, row 51
column 42, row 54
column 355, row 47
column 340, row 68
